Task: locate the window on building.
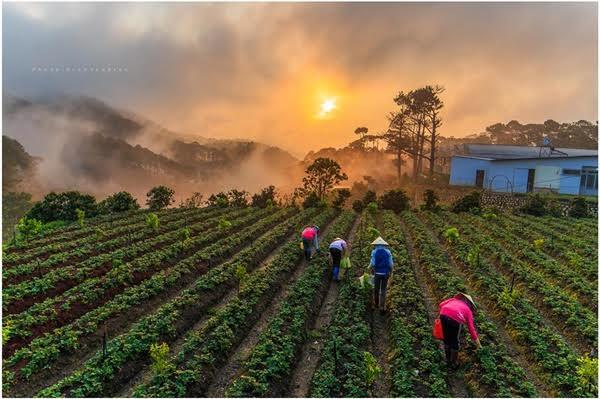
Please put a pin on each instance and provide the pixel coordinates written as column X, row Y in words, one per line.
column 571, row 172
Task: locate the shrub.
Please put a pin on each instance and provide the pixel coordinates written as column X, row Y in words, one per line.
column 184, row 234
column 63, row 206
column 587, row 373
column 80, row 216
column 358, row 206
column 396, row 200
column 312, row 200
column 535, row 205
column 238, row 199
column 372, row 368
column 538, row 244
column 28, row 228
column 224, row 224
column 467, row 203
column 341, row 196
column 152, row 221
column 159, row 197
column 264, row 198
column 553, row 208
column 159, row 353
column 220, row 200
column 240, row 276
column 490, row 216
column 194, row 201
column 118, row 202
column 579, row 208
column 372, row 209
column 431, row 200
column 451, row 234
column 370, row 196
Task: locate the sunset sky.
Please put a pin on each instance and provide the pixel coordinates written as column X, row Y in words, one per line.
column 305, row 75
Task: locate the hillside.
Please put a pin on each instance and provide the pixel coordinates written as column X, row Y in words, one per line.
column 87, row 145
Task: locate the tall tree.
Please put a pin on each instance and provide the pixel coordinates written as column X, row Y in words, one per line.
column 321, row 176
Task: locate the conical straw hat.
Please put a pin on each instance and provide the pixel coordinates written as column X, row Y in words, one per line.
column 379, row 241
column 469, row 298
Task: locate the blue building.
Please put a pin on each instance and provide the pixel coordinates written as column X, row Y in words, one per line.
column 521, row 169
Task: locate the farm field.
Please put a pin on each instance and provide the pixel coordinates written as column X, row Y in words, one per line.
column 219, row 302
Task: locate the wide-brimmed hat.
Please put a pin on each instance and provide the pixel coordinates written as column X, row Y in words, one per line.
column 379, row 241
column 336, row 238
column 467, row 297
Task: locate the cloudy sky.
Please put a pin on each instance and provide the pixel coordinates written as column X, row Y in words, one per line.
column 263, row 71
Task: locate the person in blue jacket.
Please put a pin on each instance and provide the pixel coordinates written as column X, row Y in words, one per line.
column 381, row 266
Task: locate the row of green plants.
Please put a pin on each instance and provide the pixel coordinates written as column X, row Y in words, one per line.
column 557, row 364
column 159, row 248
column 271, row 361
column 572, row 248
column 205, row 349
column 490, row 371
column 416, row 363
column 344, row 365
column 92, row 290
column 570, row 233
column 551, row 270
column 74, row 230
column 99, row 236
column 562, row 307
column 100, row 374
column 96, row 244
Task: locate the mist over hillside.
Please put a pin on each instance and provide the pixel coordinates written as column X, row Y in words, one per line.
column 84, row 144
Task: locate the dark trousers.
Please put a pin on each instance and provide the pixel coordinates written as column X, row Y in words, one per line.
column 336, row 258
column 451, row 329
column 307, row 244
column 380, row 290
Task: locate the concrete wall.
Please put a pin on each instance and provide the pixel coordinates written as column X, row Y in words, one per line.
column 501, row 174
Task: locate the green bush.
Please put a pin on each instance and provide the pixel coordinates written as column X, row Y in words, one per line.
column 431, row 200
column 152, row 221
column 579, row 208
column 266, row 196
column 118, row 202
column 159, row 197
column 535, row 205
column 468, row 203
column 395, row 200
column 63, row 206
column 341, row 196
column 358, row 206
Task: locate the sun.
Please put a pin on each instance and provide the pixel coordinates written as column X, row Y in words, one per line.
column 327, row 107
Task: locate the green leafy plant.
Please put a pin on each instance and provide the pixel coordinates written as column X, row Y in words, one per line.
column 80, row 216
column 240, row 276
column 372, row 368
column 224, row 224
column 372, row 209
column 159, row 353
column 28, row 228
column 152, row 221
column 451, row 235
column 587, row 373
column 184, row 234
column 473, row 256
column 538, row 244
column 468, row 203
column 6, row 332
column 490, row 216
column 430, row 201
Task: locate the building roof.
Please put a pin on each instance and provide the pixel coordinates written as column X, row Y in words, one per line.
column 499, row 152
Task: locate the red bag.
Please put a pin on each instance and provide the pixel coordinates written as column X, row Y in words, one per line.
column 438, row 332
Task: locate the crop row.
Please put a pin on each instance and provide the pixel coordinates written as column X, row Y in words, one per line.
column 95, row 291
column 342, row 371
column 155, row 250
column 93, row 248
column 563, row 307
column 546, row 348
column 272, row 360
column 580, row 255
column 415, row 361
column 100, row 236
column 550, row 269
column 204, row 350
column 127, row 352
column 491, row 368
column 74, row 231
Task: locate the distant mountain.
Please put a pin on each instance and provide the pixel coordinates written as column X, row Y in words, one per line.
column 88, row 145
column 18, row 166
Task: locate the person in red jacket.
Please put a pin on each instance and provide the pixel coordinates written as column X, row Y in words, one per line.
column 454, row 313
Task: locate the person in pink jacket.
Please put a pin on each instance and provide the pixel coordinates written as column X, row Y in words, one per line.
column 454, row 313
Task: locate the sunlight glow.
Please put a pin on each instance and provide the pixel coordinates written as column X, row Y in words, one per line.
column 327, row 106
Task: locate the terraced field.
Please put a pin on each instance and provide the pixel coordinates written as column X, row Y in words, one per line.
column 198, row 307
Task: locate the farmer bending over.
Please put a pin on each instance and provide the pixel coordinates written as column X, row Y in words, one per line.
column 381, row 265
column 455, row 312
column 337, row 250
column 310, row 240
